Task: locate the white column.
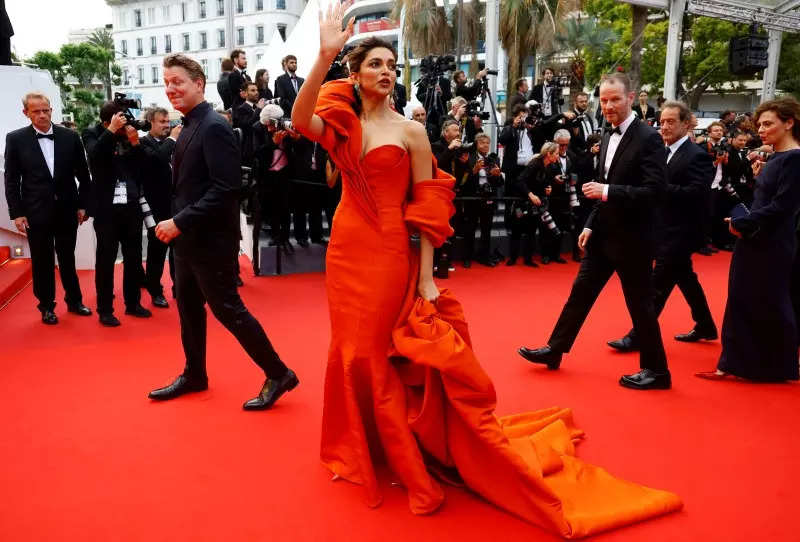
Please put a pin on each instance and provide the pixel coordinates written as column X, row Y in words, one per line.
column 230, row 39
column 676, row 10
column 771, row 73
column 492, row 47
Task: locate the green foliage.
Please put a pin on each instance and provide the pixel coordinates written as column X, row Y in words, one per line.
column 789, row 67
column 84, row 106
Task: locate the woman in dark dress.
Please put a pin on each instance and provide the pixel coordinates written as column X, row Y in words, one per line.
column 759, row 331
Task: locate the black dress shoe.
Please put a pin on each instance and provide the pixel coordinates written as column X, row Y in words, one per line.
column 511, row 261
column 531, row 263
column 560, row 260
column 625, row 344
column 180, row 386
column 705, row 251
column 303, row 243
column 271, row 391
column 467, row 264
column 488, row 262
column 545, row 355
column 160, row 301
column 696, row 335
column 49, row 318
column 138, row 311
column 80, row 310
column 109, row 320
column 647, row 379
column 545, row 260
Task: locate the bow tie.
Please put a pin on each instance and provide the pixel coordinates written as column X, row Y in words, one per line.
column 45, row 136
column 616, row 130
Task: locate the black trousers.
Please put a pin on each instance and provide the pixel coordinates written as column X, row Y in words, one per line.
column 156, row 254
column 635, row 274
column 527, row 226
column 124, row 228
column 722, row 203
column 307, row 200
column 42, row 238
column 474, row 214
column 675, row 269
column 208, row 275
column 274, row 191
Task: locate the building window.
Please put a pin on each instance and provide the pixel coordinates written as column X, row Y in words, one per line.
column 151, row 16
column 124, row 46
column 280, row 4
column 259, row 56
column 259, row 5
column 186, row 42
column 183, row 12
column 165, row 13
column 137, row 18
column 204, row 63
column 126, row 77
column 240, row 36
column 141, row 75
column 153, row 45
column 221, row 37
column 260, row 34
column 154, row 71
column 167, row 43
column 220, row 8
column 139, row 48
column 282, row 31
column 239, row 6
column 204, row 40
column 202, row 9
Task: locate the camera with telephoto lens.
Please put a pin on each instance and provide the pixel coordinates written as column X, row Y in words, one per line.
column 272, row 101
column 147, row 213
column 284, row 123
column 535, row 115
column 572, row 190
column 126, row 104
column 488, row 188
column 731, row 191
column 547, row 219
column 474, row 109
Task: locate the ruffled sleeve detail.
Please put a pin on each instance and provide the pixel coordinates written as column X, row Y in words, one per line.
column 431, row 207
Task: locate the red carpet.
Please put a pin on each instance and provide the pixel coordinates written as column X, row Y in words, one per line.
column 15, row 275
column 85, row 456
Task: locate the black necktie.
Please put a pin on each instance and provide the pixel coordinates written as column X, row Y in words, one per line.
column 669, row 151
column 44, row 136
column 616, row 130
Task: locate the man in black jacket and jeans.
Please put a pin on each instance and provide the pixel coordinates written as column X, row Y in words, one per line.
column 42, row 162
column 205, row 229
column 116, row 159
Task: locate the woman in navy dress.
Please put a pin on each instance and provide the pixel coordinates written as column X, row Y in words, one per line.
column 759, row 331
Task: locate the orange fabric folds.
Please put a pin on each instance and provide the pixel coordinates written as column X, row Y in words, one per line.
column 523, row 463
column 431, row 207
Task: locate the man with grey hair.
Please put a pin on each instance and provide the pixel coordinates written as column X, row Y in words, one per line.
column 42, row 161
column 158, row 145
column 559, row 200
column 690, row 172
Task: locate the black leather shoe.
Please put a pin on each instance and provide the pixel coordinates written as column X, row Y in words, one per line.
column 49, row 318
column 705, row 251
column 625, row 344
column 160, row 301
column 694, row 335
column 511, row 261
column 560, row 260
column 545, row 355
column 467, row 264
column 80, row 310
column 545, row 260
column 182, row 385
column 138, row 311
column 647, row 379
column 109, row 320
column 531, row 263
column 271, row 391
column 303, row 243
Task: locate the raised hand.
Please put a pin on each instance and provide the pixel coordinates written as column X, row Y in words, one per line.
column 331, row 36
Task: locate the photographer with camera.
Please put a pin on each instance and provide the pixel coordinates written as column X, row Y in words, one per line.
column 737, row 173
column 563, row 199
column 433, row 88
column 482, row 178
column 447, row 148
column 548, row 93
column 468, row 89
column 272, row 150
column 716, row 146
column 533, row 186
column 115, row 160
column 158, row 145
column 468, row 116
column 583, row 125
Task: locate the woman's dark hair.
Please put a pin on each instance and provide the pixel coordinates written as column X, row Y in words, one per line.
column 259, row 82
column 359, row 52
column 784, row 108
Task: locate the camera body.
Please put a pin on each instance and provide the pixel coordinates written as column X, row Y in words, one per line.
column 535, row 116
column 474, row 109
column 283, row 123
column 719, row 149
column 126, row 104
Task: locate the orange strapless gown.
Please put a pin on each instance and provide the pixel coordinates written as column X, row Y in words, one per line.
column 402, row 381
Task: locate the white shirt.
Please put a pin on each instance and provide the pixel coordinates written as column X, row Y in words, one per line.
column 675, row 146
column 48, row 149
column 525, row 152
column 613, row 144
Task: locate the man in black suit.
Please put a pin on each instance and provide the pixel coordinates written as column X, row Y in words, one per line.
column 42, row 162
column 446, row 149
column 118, row 164
column 548, row 94
column 205, row 230
column 288, row 84
column 245, row 115
column 583, row 125
column 521, row 96
column 238, row 76
column 681, row 226
column 737, row 173
column 224, row 83
column 618, row 237
column 158, row 145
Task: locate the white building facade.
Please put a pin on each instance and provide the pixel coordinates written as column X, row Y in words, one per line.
column 145, row 31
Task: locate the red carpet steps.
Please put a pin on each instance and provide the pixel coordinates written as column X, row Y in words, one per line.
column 15, row 275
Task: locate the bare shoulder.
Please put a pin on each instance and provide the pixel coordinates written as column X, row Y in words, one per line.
column 415, row 134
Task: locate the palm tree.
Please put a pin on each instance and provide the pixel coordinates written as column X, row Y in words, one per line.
column 103, row 39
column 580, row 37
column 638, row 25
column 525, row 25
column 425, row 30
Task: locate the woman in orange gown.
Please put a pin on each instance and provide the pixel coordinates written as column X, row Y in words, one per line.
column 402, row 382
